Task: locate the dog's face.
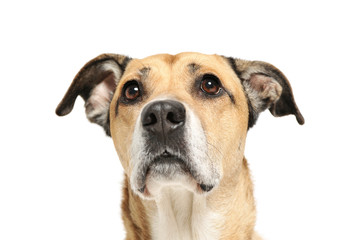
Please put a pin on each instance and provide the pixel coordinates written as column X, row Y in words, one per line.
column 179, row 120
column 173, row 119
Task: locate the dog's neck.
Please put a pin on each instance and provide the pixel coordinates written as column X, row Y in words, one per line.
column 181, row 214
column 228, row 212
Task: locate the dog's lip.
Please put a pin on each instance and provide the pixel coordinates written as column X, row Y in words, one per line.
column 168, row 158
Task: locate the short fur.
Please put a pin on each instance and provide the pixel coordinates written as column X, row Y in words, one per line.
column 182, row 205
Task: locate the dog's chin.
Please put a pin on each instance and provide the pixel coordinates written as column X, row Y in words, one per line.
column 170, row 171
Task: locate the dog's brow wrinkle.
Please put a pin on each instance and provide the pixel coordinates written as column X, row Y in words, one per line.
column 144, row 72
column 193, row 67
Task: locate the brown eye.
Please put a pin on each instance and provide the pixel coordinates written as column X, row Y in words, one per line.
column 131, row 91
column 210, row 85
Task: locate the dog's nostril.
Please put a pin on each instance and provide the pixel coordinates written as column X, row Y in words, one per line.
column 175, row 118
column 170, row 117
column 151, row 119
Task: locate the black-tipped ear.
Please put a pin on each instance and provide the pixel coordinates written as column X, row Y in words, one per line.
column 266, row 88
column 95, row 83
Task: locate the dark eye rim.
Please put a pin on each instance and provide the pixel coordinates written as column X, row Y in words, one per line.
column 213, row 78
column 124, row 99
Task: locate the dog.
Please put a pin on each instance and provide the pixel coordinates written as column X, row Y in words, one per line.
column 179, row 125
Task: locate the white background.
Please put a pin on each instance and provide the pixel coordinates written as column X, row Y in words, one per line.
column 60, row 177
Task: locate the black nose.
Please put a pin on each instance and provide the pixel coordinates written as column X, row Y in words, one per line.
column 163, row 117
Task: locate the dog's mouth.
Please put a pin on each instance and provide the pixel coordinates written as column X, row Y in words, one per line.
column 167, row 167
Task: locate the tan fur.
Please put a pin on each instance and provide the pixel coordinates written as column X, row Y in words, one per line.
column 134, row 214
column 224, row 124
column 234, row 198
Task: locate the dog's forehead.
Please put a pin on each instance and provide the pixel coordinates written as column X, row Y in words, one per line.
column 171, row 63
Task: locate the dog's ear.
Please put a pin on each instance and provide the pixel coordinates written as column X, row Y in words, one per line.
column 266, row 88
column 95, row 83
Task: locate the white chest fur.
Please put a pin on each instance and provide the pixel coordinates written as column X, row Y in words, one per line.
column 183, row 215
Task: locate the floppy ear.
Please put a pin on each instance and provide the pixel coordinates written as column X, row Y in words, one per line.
column 266, row 88
column 95, row 83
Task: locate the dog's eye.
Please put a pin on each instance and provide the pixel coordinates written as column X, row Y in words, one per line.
column 131, row 90
column 210, row 84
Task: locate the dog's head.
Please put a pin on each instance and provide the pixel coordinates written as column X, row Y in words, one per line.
column 179, row 120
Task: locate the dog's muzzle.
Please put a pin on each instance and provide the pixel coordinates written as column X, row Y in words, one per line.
column 170, row 144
